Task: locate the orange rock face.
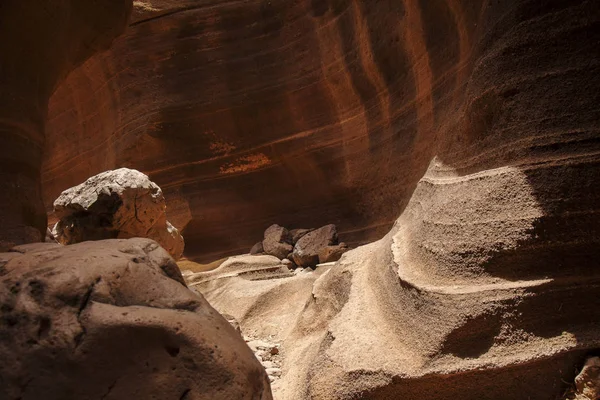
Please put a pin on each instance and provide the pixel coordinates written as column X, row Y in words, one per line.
column 305, row 113
column 41, row 41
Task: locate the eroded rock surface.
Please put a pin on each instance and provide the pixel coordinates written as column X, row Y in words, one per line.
column 113, row 319
column 332, row 253
column 487, row 285
column 312, row 244
column 122, row 203
column 41, row 41
column 587, row 383
column 312, row 112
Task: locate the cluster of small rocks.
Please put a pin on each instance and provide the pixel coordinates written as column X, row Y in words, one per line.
column 266, row 350
column 268, row 353
column 304, row 248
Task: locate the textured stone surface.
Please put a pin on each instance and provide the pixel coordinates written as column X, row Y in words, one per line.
column 486, row 286
column 332, row 253
column 113, row 319
column 312, row 112
column 308, row 248
column 298, row 233
column 277, row 241
column 257, row 249
column 587, row 383
column 41, row 41
column 122, row 204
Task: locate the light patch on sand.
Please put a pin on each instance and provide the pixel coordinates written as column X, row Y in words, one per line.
column 245, row 164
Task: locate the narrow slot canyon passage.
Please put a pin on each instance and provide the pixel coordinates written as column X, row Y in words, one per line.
column 308, row 199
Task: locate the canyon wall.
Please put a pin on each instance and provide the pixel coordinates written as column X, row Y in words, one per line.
column 486, row 286
column 301, row 113
column 42, row 42
column 311, row 112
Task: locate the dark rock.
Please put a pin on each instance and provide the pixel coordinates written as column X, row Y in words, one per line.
column 277, row 241
column 49, row 236
column 257, row 249
column 306, row 251
column 332, row 253
column 114, row 319
column 297, row 234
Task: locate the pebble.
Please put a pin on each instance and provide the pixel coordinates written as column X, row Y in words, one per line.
column 258, row 345
column 274, row 371
column 260, row 353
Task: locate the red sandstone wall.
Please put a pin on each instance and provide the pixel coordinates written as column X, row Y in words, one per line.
column 312, row 112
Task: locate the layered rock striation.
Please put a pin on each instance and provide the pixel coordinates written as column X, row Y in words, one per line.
column 486, row 286
column 312, row 112
column 42, row 41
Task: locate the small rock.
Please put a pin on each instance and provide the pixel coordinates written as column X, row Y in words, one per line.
column 258, row 345
column 286, row 262
column 587, row 382
column 260, row 353
column 306, row 251
column 274, row 350
column 257, row 249
column 274, row 371
column 277, row 241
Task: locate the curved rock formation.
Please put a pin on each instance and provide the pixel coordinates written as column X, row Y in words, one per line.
column 487, row 285
column 42, row 41
column 301, row 113
column 113, row 319
column 312, row 112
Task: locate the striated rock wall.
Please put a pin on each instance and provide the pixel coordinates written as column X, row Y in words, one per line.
column 487, row 285
column 313, row 112
column 261, row 112
column 41, row 42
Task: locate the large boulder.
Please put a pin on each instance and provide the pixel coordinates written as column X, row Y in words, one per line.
column 297, row 234
column 123, row 203
column 332, row 253
column 306, row 251
column 113, row 319
column 277, row 241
